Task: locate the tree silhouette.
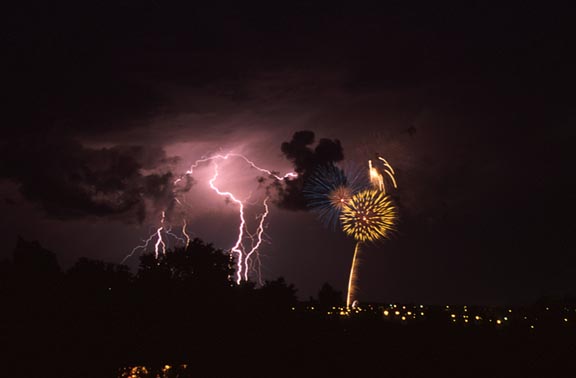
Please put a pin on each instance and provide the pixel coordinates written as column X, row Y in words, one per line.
column 32, row 259
column 95, row 276
column 198, row 267
column 277, row 295
column 328, row 297
column 182, row 295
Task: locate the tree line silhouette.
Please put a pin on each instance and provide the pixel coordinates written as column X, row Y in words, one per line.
column 182, row 308
column 178, row 304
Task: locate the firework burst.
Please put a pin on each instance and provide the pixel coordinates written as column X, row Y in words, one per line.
column 368, row 216
column 330, row 188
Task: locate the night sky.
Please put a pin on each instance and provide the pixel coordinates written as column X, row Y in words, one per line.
column 104, row 105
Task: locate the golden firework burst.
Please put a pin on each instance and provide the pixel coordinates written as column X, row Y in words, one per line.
column 368, row 216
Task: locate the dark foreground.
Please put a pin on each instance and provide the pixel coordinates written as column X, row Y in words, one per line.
column 298, row 345
column 180, row 316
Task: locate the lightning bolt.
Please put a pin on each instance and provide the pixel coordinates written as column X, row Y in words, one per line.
column 247, row 258
column 237, row 248
column 185, row 233
column 160, row 244
column 259, row 234
column 243, row 257
column 248, row 161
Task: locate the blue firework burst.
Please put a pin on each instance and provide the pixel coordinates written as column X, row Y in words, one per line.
column 329, row 188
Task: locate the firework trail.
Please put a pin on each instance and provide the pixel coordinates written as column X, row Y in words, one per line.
column 377, row 179
column 352, row 276
column 247, row 257
column 367, row 217
column 330, row 187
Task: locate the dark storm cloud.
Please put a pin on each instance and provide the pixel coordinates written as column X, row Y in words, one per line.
column 68, row 180
column 305, row 160
column 59, row 78
column 62, row 88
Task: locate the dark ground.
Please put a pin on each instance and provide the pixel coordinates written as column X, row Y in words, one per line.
column 280, row 346
column 180, row 308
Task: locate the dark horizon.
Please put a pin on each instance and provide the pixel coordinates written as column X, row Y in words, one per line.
column 35, row 247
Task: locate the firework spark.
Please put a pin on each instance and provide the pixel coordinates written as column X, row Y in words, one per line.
column 368, row 216
column 377, row 179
